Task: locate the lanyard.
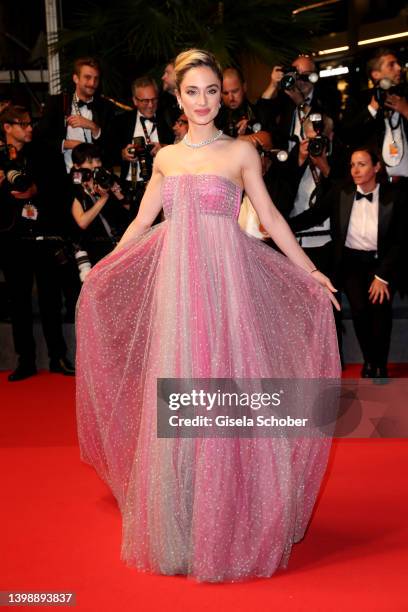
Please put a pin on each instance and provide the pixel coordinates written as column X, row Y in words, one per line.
column 94, row 198
column 78, row 112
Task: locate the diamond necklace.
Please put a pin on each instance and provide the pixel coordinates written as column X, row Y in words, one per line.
column 196, row 145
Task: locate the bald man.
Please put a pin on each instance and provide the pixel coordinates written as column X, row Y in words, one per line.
column 238, row 117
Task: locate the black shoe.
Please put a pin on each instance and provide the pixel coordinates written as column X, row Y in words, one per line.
column 368, row 370
column 62, row 366
column 22, row 371
column 381, row 372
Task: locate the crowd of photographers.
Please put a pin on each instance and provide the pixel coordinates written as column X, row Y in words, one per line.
column 70, row 185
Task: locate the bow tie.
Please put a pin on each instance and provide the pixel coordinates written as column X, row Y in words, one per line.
column 144, row 119
column 367, row 196
column 87, row 104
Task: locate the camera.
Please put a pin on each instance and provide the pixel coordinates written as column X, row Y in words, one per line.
column 235, row 117
column 15, row 175
column 383, row 88
column 103, row 178
column 142, row 152
column 320, row 143
column 291, row 77
column 100, row 176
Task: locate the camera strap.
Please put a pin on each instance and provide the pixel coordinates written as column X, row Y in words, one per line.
column 315, row 173
column 92, row 196
column 394, row 153
column 78, row 112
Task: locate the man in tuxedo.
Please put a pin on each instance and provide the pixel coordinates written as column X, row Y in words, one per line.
column 82, row 116
column 368, row 224
column 69, row 120
column 287, row 108
column 145, row 123
column 28, row 216
column 380, row 117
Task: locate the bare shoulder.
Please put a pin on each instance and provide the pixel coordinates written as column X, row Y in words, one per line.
column 241, row 151
column 165, row 153
column 163, row 157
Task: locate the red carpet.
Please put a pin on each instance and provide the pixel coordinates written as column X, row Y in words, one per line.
column 61, row 527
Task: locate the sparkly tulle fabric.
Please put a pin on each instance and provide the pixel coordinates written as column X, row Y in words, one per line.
column 196, row 297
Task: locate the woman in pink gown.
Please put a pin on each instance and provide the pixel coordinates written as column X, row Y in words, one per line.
column 196, row 297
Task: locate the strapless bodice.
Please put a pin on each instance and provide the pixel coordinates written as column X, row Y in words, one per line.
column 209, row 194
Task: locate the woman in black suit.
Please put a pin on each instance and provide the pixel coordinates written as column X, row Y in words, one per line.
column 369, row 226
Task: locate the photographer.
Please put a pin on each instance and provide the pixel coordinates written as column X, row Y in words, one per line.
column 28, row 216
column 98, row 208
column 136, row 137
column 289, row 99
column 80, row 116
column 380, row 118
column 237, row 116
column 314, row 164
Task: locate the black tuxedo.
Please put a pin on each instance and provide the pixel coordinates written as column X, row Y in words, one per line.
column 51, row 129
column 355, row 270
column 121, row 134
column 23, row 257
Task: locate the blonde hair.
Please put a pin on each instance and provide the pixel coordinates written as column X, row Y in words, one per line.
column 193, row 58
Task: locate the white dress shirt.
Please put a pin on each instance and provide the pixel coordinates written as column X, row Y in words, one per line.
column 362, row 232
column 138, row 131
column 84, row 135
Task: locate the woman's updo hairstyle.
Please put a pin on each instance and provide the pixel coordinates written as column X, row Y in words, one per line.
column 193, row 58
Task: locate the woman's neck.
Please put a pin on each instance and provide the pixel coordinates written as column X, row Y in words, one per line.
column 368, row 187
column 197, row 133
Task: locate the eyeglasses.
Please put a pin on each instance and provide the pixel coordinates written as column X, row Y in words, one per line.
column 24, row 124
column 147, row 101
column 181, row 122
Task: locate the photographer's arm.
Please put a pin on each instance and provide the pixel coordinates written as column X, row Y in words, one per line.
column 25, row 195
column 272, row 89
column 84, row 218
column 150, row 207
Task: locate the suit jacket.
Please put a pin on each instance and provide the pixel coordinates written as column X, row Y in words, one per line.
column 392, row 227
column 121, row 134
column 51, row 129
column 360, row 128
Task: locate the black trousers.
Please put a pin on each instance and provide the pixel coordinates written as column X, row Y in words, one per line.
column 22, row 261
column 372, row 322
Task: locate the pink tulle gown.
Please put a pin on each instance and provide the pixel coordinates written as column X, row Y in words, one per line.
column 196, row 297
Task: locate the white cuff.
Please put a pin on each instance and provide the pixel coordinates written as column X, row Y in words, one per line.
column 98, row 134
column 381, row 279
